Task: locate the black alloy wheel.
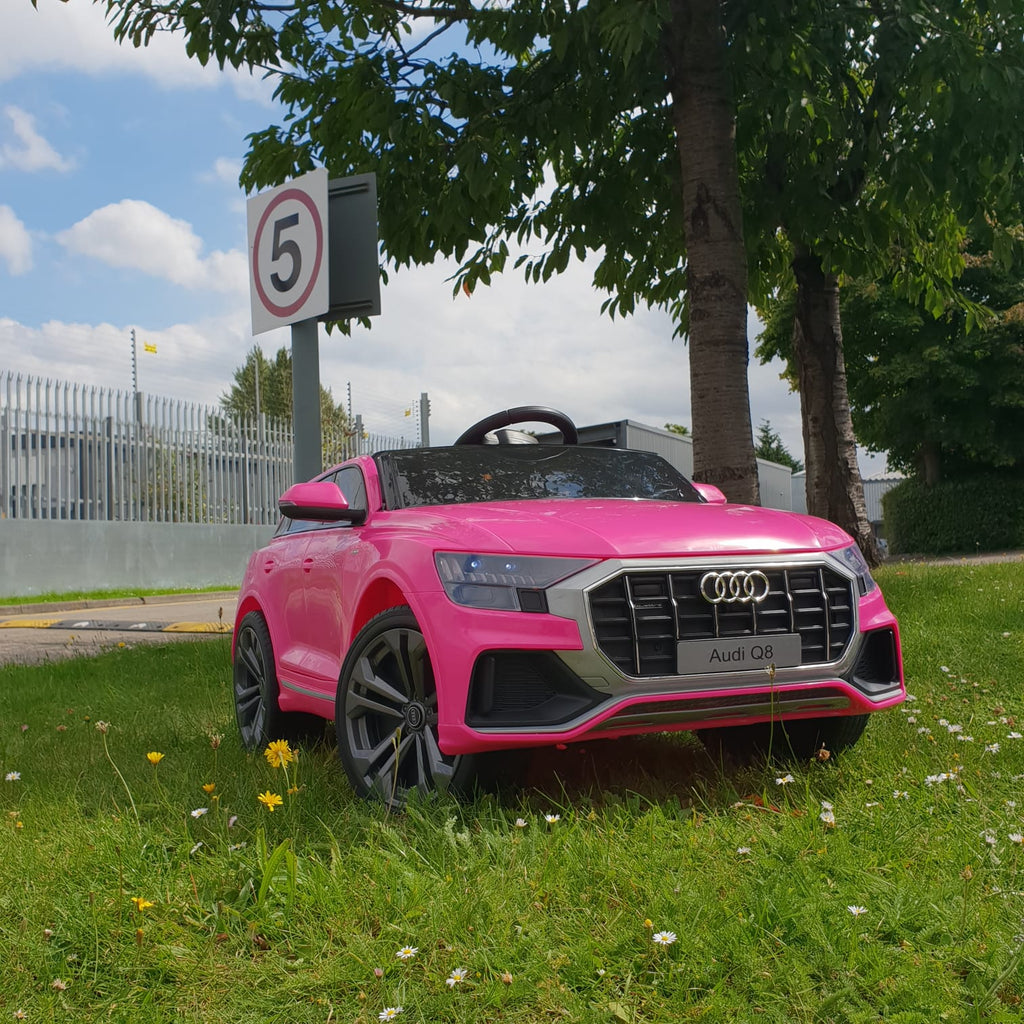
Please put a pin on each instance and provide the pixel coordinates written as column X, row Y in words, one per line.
column 257, row 712
column 386, row 715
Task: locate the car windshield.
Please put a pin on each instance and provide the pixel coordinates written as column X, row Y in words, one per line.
column 473, row 473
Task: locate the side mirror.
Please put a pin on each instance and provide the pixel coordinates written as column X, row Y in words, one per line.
column 711, row 494
column 319, row 501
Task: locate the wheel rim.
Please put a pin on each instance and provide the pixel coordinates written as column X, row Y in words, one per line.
column 391, row 718
column 250, row 688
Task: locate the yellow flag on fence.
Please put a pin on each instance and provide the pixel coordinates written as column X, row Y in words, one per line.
column 148, row 347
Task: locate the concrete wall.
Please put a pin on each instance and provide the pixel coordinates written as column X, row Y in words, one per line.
column 47, row 556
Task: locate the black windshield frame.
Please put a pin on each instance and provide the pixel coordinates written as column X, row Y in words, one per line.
column 470, row 474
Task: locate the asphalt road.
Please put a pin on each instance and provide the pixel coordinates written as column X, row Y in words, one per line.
column 30, row 634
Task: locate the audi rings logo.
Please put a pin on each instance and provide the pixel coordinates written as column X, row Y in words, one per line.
column 734, row 587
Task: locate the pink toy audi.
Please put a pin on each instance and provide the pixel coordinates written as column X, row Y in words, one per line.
column 445, row 605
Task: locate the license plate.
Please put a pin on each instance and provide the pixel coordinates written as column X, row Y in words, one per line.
column 743, row 654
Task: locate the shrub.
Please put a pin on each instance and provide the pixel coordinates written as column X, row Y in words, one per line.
column 983, row 513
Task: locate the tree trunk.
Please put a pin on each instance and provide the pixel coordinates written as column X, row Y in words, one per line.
column 931, row 462
column 834, row 487
column 703, row 113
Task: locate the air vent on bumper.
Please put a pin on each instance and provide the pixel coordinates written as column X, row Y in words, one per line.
column 525, row 689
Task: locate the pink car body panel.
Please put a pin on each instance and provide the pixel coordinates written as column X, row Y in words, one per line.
column 318, row 588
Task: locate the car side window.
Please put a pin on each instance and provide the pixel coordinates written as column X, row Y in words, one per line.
column 351, row 483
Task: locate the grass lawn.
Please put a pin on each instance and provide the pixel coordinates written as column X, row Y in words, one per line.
column 126, row 592
column 629, row 881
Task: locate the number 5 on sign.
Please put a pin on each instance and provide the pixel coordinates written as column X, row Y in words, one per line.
column 288, row 278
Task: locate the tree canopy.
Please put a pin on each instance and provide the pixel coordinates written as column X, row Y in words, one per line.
column 881, row 134
column 683, row 141
column 558, row 128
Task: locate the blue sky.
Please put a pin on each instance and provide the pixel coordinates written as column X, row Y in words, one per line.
column 120, row 208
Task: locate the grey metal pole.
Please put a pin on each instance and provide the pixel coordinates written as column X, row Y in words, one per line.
column 308, row 457
column 135, row 367
column 424, row 419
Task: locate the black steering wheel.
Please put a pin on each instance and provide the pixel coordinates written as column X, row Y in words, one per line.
column 522, row 414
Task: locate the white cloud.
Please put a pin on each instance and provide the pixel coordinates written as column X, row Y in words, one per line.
column 506, row 346
column 509, row 345
column 30, row 151
column 135, row 234
column 15, row 243
column 224, row 170
column 512, row 344
column 193, row 362
column 74, row 36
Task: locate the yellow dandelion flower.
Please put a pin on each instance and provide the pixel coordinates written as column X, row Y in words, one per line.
column 209, row 787
column 154, row 757
column 293, row 790
column 279, row 753
column 270, row 800
column 141, row 903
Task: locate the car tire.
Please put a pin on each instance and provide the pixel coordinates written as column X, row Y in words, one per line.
column 255, row 686
column 797, row 740
column 386, row 716
column 806, row 737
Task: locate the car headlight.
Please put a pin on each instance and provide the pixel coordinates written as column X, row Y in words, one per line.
column 853, row 560
column 503, row 582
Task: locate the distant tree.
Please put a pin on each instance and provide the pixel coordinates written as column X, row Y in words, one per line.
column 274, row 381
column 768, row 445
column 941, row 400
column 678, row 428
column 275, row 392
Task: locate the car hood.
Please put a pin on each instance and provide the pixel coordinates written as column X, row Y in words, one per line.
column 611, row 528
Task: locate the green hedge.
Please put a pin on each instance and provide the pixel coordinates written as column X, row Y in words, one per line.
column 984, row 513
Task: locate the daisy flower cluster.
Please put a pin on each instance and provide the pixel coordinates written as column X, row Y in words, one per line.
column 460, row 976
column 550, row 819
column 457, row 976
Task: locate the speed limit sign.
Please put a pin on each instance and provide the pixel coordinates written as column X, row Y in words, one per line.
column 288, row 276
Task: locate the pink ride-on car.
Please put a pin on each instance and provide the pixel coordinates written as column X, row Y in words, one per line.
column 443, row 605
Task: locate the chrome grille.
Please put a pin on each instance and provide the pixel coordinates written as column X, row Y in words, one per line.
column 639, row 617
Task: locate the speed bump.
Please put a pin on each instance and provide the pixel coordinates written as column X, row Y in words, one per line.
column 114, row 626
column 197, row 627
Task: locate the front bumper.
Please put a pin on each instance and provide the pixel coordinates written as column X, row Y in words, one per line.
column 508, row 679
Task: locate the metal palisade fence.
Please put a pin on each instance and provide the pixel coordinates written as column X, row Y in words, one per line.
column 73, row 451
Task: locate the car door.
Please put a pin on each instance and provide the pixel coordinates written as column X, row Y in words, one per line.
column 281, row 590
column 328, row 551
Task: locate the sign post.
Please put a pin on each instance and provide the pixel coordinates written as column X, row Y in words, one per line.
column 312, row 258
column 289, row 284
